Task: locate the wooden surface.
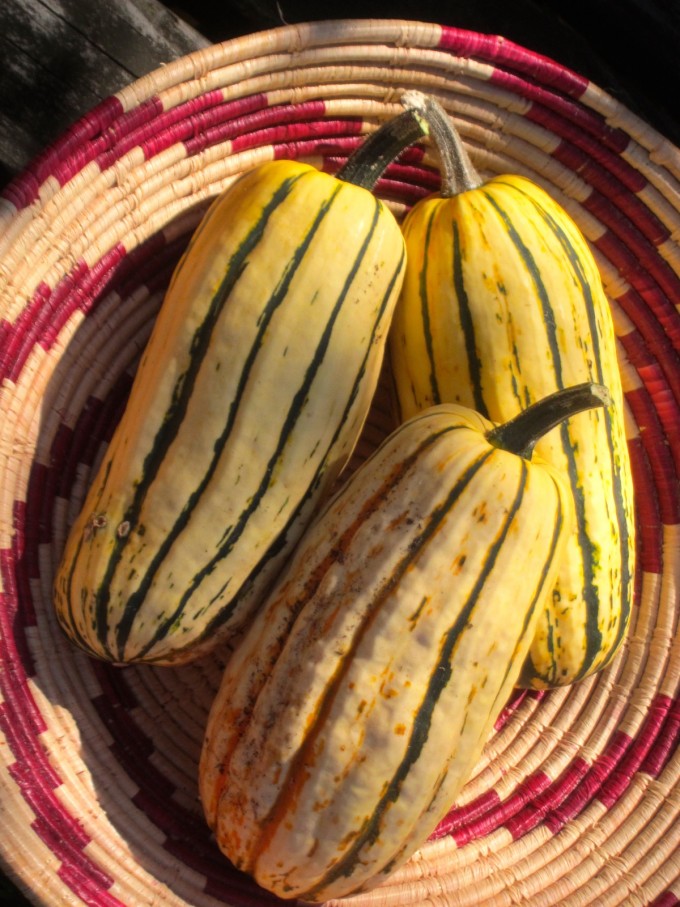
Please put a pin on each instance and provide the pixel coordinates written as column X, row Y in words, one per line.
column 60, row 57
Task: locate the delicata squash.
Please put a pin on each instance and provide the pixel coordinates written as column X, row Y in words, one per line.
column 357, row 703
column 247, row 403
column 501, row 305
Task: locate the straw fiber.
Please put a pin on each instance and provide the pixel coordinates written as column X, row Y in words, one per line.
column 576, row 799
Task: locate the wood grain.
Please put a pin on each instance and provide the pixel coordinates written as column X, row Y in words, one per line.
column 60, row 57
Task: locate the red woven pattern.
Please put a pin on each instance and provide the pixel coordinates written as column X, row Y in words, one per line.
column 100, row 791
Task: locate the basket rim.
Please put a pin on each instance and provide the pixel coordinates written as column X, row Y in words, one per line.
column 639, row 769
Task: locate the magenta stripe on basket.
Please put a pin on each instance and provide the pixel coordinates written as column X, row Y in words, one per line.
column 177, row 823
column 25, row 613
column 612, row 772
column 32, row 771
column 474, row 45
column 620, row 778
column 653, row 335
column 461, row 816
column 38, row 494
column 221, row 124
column 6, row 334
column 567, row 110
column 189, row 123
column 294, row 150
column 667, row 899
column 16, row 658
column 503, row 812
column 45, row 315
column 91, row 126
column 63, row 834
column 14, row 335
column 581, row 152
column 129, row 121
column 666, row 402
column 665, row 743
column 114, row 687
column 153, row 129
column 637, row 259
column 151, row 264
column 500, row 50
column 204, row 121
column 590, row 785
column 639, row 227
column 398, row 190
column 640, row 346
column 27, row 330
column 609, row 199
column 575, row 123
column 88, row 886
column 131, row 743
column 659, row 454
column 648, row 521
column 24, row 189
column 537, row 809
column 658, row 291
column 289, row 139
column 422, row 180
column 100, row 148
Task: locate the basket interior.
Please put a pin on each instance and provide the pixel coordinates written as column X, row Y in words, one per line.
column 575, row 800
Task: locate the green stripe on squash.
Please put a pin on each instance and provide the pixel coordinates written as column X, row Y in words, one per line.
column 247, row 403
column 356, row 705
column 503, row 304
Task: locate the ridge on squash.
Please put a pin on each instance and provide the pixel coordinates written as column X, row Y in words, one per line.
column 247, row 403
column 358, row 701
column 502, row 304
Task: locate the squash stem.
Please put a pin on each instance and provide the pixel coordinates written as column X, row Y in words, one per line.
column 520, row 435
column 457, row 171
column 366, row 165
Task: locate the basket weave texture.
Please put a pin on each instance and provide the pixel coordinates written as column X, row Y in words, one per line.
column 576, row 799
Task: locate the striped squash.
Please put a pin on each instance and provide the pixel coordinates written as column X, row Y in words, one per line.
column 248, row 401
column 358, row 702
column 502, row 304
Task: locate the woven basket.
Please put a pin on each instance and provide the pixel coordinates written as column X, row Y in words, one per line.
column 577, row 798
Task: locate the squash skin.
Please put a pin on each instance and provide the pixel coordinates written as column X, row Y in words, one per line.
column 247, row 403
column 359, row 700
column 502, row 304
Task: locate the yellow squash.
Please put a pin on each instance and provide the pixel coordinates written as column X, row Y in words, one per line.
column 358, row 702
column 502, row 304
column 248, row 401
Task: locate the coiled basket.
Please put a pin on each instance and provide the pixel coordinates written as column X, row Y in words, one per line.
column 577, row 798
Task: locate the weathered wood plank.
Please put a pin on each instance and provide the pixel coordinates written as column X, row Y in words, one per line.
column 60, row 57
column 132, row 33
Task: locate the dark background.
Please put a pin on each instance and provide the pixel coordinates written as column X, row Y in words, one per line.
column 630, row 48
